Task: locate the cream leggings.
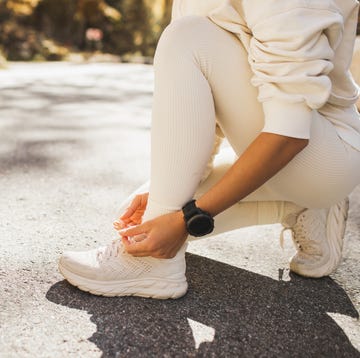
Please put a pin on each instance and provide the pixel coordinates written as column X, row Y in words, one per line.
column 202, row 76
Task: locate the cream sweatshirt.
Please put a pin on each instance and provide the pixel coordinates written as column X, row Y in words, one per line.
column 300, row 53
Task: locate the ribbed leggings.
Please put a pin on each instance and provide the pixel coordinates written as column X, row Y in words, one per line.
column 202, row 77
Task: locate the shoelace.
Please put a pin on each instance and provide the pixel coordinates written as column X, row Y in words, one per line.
column 111, row 250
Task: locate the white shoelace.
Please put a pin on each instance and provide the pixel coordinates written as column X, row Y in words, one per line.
column 111, row 250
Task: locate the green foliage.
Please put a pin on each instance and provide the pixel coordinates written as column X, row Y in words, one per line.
column 32, row 29
column 133, row 33
column 49, row 29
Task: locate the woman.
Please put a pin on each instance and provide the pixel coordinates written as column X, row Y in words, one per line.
column 273, row 78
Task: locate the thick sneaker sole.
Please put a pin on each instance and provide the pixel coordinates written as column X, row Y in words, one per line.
column 147, row 287
column 335, row 231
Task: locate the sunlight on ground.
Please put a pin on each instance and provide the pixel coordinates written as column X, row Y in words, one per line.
column 201, row 332
column 350, row 326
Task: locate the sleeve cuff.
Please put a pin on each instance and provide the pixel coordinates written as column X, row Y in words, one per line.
column 288, row 119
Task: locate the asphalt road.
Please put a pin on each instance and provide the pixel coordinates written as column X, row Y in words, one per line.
column 74, row 143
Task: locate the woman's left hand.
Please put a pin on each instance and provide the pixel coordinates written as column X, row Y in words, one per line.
column 161, row 237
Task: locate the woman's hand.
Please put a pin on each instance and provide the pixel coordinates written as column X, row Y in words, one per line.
column 134, row 213
column 161, row 237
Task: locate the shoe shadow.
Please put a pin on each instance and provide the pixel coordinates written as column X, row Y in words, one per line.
column 227, row 312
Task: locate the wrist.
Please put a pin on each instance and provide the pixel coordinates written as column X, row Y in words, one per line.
column 179, row 218
column 206, row 206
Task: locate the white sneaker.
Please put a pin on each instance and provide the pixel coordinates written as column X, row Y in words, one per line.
column 318, row 236
column 111, row 271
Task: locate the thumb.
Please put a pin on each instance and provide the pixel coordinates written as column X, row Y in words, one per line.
column 134, row 230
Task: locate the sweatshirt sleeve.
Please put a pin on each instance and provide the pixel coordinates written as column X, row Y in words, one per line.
column 181, row 8
column 291, row 50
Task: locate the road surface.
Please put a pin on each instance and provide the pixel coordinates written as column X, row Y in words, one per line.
column 74, row 143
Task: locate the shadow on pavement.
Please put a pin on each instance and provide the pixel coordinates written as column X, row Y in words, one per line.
column 24, row 155
column 251, row 315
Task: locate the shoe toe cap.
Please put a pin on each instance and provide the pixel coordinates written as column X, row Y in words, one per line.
column 80, row 263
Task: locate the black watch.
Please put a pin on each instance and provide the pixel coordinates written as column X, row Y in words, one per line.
column 198, row 222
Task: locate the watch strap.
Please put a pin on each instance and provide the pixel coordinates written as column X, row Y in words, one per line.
column 190, row 209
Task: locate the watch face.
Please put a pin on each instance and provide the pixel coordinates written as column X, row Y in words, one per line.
column 200, row 225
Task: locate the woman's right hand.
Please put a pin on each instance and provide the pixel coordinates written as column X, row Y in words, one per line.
column 134, row 213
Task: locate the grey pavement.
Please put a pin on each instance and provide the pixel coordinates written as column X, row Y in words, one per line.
column 74, row 143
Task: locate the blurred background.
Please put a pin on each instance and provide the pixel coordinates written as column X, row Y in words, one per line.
column 53, row 30
column 74, row 143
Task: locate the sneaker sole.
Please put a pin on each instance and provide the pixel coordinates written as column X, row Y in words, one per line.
column 335, row 246
column 149, row 287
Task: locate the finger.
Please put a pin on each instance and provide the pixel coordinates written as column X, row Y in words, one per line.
column 138, row 238
column 128, row 213
column 118, row 225
column 134, row 230
column 139, row 249
column 127, row 222
column 122, row 224
column 126, row 241
column 132, row 208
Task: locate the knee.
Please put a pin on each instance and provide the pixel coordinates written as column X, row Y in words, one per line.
column 181, row 37
column 184, row 28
